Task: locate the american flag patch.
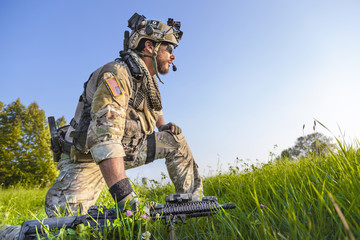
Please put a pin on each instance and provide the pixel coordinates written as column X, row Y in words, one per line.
column 114, row 86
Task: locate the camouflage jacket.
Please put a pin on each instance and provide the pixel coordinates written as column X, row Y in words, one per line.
column 117, row 128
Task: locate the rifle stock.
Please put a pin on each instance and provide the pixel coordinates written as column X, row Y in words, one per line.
column 97, row 217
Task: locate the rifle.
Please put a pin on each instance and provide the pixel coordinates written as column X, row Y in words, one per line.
column 178, row 206
column 181, row 206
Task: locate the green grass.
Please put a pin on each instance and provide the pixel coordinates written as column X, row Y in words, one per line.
column 21, row 203
column 310, row 198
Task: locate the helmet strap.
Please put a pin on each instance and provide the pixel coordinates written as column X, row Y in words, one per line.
column 156, row 49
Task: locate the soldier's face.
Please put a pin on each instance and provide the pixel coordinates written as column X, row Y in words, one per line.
column 164, row 58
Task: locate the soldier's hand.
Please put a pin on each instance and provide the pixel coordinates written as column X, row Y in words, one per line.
column 172, row 127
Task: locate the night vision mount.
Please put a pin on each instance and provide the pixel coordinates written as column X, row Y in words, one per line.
column 138, row 21
column 174, row 24
column 176, row 27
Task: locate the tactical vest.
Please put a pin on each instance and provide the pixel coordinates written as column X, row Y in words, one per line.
column 133, row 133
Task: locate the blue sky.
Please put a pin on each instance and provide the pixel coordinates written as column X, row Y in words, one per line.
column 250, row 73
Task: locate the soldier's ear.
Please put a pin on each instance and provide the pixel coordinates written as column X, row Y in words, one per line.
column 149, row 47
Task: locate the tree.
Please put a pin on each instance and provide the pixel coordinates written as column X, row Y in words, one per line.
column 314, row 143
column 60, row 122
column 25, row 155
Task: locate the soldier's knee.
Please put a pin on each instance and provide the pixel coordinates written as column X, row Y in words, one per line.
column 179, row 138
column 52, row 202
column 176, row 139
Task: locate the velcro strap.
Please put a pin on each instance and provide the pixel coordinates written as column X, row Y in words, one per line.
column 73, row 123
column 151, row 148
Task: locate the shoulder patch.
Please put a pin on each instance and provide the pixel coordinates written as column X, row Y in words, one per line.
column 114, row 86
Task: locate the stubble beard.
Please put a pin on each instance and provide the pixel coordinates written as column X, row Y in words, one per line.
column 162, row 67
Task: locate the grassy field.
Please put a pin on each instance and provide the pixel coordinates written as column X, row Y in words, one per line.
column 310, row 198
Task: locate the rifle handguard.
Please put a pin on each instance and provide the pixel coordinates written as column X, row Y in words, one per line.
column 172, row 211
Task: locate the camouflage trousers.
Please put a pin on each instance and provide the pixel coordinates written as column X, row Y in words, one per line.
column 79, row 183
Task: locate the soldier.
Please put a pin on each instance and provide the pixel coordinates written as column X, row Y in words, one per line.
column 113, row 127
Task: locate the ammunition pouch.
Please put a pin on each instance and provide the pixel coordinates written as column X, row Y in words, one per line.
column 133, row 135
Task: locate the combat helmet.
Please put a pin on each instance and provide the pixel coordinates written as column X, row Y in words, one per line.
column 153, row 30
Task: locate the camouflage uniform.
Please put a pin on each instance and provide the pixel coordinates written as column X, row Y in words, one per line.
column 120, row 130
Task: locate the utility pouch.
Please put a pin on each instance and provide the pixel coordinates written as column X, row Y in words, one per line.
column 79, row 157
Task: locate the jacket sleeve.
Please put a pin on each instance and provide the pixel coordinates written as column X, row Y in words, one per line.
column 108, row 114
